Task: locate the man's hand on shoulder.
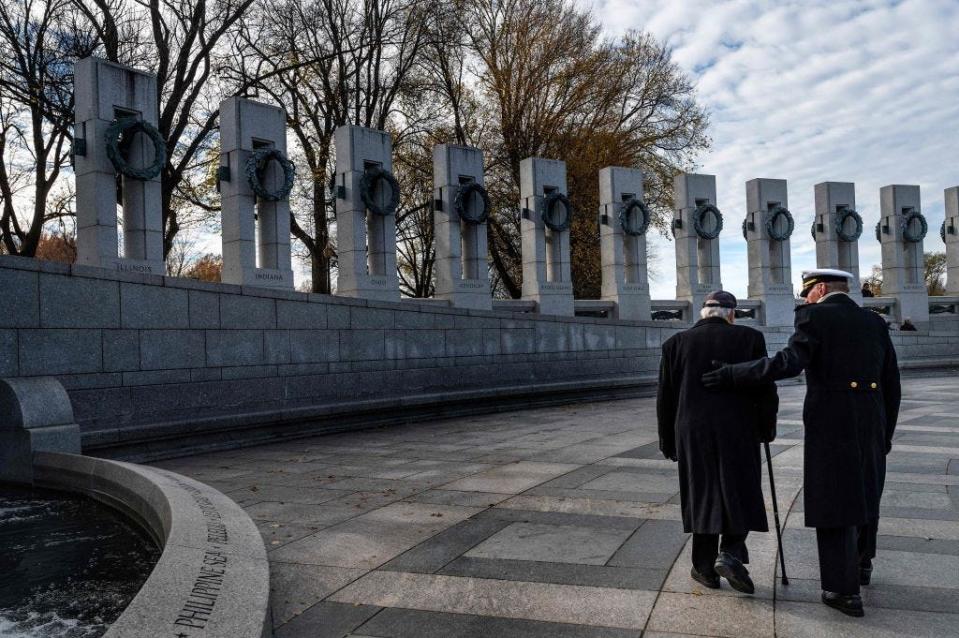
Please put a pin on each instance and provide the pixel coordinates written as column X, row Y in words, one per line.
column 720, row 377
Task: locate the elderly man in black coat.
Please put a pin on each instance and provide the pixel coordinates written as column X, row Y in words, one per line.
column 850, row 413
column 715, row 437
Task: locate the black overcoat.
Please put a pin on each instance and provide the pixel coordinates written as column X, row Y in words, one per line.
column 851, row 407
column 715, row 434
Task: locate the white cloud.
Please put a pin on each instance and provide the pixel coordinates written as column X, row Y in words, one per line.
column 809, row 91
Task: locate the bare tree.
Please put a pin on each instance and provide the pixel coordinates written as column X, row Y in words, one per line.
column 552, row 87
column 38, row 42
column 416, row 254
column 334, row 62
column 935, row 266
column 183, row 43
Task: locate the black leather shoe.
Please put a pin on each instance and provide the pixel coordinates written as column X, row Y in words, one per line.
column 711, row 581
column 730, row 568
column 865, row 575
column 851, row 605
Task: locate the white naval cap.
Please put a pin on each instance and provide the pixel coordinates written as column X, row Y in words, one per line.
column 820, row 275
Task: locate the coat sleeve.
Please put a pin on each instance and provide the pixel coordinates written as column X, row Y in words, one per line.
column 666, row 403
column 891, row 389
column 767, row 398
column 788, row 362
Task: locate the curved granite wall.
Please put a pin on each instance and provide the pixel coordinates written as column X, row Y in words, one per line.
column 212, row 578
column 156, row 364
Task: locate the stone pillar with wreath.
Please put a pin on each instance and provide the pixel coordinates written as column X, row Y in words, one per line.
column 949, row 232
column 545, row 219
column 255, row 179
column 461, row 207
column 900, row 230
column 118, row 158
column 836, row 230
column 367, row 196
column 624, row 219
column 697, row 223
column 767, row 228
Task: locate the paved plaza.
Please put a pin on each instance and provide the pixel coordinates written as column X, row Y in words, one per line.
column 565, row 522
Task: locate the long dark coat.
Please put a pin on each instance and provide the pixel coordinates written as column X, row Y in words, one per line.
column 715, row 434
column 851, row 408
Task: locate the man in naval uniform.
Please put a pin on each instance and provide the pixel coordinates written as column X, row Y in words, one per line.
column 850, row 413
column 715, row 438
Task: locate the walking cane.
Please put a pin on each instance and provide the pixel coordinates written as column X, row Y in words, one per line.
column 779, row 534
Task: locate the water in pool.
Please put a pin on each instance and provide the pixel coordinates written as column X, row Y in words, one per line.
column 69, row 566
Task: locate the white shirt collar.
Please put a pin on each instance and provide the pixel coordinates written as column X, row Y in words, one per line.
column 831, row 294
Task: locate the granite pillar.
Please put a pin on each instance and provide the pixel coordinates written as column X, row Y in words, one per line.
column 256, row 232
column 547, row 278
column 901, row 231
column 105, row 92
column 769, row 225
column 951, row 238
column 366, row 240
column 836, row 229
column 462, row 270
column 697, row 252
column 622, row 235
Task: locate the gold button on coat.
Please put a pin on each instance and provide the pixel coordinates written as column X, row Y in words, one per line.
column 853, row 384
column 874, row 385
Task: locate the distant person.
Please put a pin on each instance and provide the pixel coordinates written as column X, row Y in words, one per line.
column 850, row 413
column 867, row 291
column 715, row 436
column 907, row 325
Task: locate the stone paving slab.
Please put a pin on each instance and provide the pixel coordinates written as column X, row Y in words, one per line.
column 512, row 478
column 653, row 545
column 561, row 518
column 295, row 588
column 599, row 506
column 903, row 498
column 559, row 573
column 920, row 545
column 276, row 534
column 713, row 615
column 552, row 544
column 374, row 538
column 631, row 495
column 605, row 607
column 805, row 620
column 454, row 497
column 565, row 521
column 880, row 594
column 407, row 623
column 631, row 482
column 326, row 620
column 432, row 555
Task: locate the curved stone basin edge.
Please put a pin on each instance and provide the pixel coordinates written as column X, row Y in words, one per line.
column 212, row 579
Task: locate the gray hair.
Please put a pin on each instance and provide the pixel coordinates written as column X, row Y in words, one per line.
column 718, row 311
column 837, row 286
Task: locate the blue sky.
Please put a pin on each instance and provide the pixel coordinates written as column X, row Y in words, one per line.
column 811, row 91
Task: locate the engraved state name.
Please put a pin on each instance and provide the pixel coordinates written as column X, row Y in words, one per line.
column 125, row 267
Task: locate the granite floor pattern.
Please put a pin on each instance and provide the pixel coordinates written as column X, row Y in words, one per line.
column 565, row 522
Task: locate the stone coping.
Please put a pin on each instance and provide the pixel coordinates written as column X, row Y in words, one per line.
column 427, row 305
column 212, row 578
column 408, row 304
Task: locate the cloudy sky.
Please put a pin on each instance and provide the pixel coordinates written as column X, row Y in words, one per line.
column 864, row 91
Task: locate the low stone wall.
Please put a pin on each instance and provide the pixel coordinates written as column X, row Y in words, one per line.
column 212, row 579
column 154, row 363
